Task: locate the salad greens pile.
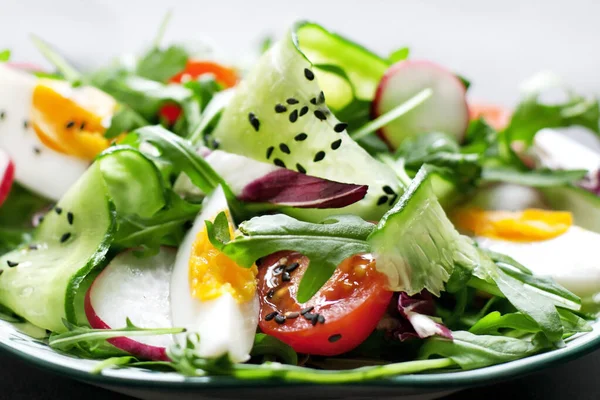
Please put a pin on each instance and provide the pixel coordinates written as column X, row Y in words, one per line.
column 305, row 167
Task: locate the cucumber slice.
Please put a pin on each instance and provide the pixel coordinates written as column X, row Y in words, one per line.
column 278, row 115
column 40, row 281
column 584, row 205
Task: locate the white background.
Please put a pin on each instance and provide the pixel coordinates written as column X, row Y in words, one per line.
column 496, row 44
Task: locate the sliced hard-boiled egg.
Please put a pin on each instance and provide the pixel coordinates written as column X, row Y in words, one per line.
column 544, row 241
column 210, row 294
column 51, row 130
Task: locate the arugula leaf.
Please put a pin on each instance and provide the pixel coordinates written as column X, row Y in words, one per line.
column 4, row 55
column 400, row 54
column 477, row 351
column 481, row 139
column 124, row 120
column 464, row 81
column 533, row 178
column 326, row 244
column 265, row 345
column 532, row 114
column 113, row 362
column 161, row 64
column 493, row 322
column 78, row 334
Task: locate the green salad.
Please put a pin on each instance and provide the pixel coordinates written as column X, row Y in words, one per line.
column 325, row 215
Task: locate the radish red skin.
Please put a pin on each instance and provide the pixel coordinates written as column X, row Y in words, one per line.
column 6, row 177
column 137, row 349
column 451, row 80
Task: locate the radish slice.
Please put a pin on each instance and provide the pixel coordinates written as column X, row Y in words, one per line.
column 138, row 289
column 7, row 174
column 445, row 111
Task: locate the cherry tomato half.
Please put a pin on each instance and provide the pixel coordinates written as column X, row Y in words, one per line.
column 337, row 319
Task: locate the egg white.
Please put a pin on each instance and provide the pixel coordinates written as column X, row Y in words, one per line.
column 37, row 167
column 224, row 325
column 570, row 259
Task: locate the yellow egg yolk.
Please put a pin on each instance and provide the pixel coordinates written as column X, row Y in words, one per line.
column 518, row 226
column 71, row 120
column 212, row 273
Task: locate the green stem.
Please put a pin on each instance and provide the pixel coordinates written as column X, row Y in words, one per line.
column 397, row 166
column 163, row 27
column 63, row 66
column 393, row 114
column 245, row 371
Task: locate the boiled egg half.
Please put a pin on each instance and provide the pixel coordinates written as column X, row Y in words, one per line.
column 51, row 130
column 210, row 294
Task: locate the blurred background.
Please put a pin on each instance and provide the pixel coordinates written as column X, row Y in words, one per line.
column 494, row 44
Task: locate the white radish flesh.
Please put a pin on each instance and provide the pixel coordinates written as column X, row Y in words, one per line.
column 445, row 111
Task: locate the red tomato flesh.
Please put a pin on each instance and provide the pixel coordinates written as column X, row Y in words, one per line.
column 338, row 318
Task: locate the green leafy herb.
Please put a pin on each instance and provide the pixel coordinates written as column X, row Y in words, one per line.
column 66, row 69
column 400, row 54
column 78, row 334
column 533, row 178
column 326, row 244
column 161, row 64
column 112, row 362
column 4, row 55
column 477, row 351
column 493, row 322
column 124, row 120
column 265, row 345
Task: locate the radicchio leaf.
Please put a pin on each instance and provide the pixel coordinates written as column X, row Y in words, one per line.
column 417, row 318
column 290, row 188
column 591, row 182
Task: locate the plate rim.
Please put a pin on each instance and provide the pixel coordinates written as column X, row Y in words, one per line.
column 454, row 379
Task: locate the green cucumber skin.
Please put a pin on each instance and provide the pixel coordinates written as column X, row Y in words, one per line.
column 281, row 75
column 43, row 287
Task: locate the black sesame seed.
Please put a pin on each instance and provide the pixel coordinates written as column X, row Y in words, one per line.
column 292, row 101
column 58, row 210
column 1, row 271
column 292, row 315
column 270, row 293
column 285, row 277
column 70, row 217
column 33, row 247
column 313, row 101
column 215, row 144
column 336, row 144
column 309, row 74
column 280, row 319
column 308, row 315
column 303, row 110
column 292, row 267
column 278, row 269
column 320, row 115
column 70, row 124
column 388, row 190
column 393, row 199
column 40, row 219
column 321, row 318
column 279, row 163
column 82, row 126
column 315, row 319
column 307, row 310
column 11, row 264
column 300, row 168
column 2, row 115
column 382, row 200
column 319, row 156
column 25, row 124
column 270, row 316
column 300, row 137
column 294, row 116
column 254, row 121
column 188, row 224
column 284, row 148
column 280, row 108
column 340, row 127
column 37, row 150
column 321, row 98
column 65, row 237
column 334, row 338
column 270, row 151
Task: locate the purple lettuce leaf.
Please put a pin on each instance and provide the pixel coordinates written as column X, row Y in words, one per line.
column 417, row 318
column 294, row 189
column 591, row 183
